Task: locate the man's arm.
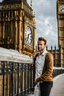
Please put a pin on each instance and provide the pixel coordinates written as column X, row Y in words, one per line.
column 49, row 69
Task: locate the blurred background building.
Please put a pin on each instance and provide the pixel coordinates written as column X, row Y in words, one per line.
column 60, row 23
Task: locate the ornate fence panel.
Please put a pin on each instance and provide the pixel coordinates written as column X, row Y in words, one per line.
column 15, row 73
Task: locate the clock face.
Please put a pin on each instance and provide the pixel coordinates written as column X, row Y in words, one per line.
column 28, row 35
column 61, row 8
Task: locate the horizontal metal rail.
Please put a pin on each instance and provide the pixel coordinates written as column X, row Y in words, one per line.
column 16, row 78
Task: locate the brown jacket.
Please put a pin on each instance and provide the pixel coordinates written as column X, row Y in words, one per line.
column 47, row 70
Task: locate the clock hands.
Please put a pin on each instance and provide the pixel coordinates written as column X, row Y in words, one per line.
column 28, row 39
column 28, row 35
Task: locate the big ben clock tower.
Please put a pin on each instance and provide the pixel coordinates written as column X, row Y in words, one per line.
column 60, row 22
column 17, row 26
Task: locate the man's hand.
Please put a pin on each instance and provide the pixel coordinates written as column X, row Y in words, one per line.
column 35, row 82
column 36, row 54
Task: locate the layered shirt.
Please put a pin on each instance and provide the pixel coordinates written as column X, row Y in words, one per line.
column 39, row 64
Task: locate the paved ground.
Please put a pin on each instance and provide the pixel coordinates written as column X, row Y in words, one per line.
column 58, row 86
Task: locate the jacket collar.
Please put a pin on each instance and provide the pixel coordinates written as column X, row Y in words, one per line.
column 43, row 53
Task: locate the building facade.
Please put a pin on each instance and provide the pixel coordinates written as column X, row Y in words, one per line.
column 60, row 23
column 17, row 26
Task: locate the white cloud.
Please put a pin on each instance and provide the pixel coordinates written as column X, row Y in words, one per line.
column 46, row 23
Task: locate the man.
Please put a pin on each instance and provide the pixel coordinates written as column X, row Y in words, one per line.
column 43, row 69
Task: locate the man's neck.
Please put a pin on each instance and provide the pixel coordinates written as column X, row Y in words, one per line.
column 42, row 50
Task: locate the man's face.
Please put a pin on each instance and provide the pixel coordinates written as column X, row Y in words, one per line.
column 41, row 45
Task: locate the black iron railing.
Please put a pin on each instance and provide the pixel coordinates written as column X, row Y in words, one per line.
column 15, row 78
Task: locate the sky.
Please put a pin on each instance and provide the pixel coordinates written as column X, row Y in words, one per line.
column 46, row 20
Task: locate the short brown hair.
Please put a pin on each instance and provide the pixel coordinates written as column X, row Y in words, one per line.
column 42, row 39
